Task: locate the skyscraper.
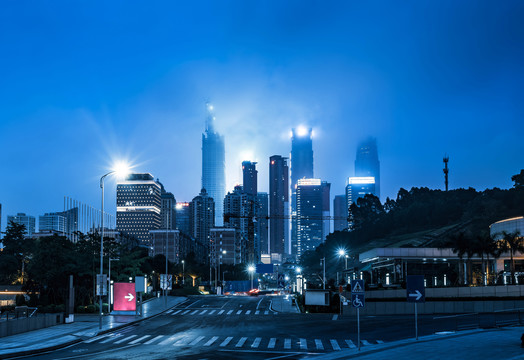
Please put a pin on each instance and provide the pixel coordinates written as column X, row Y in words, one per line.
column 262, row 235
column 358, row 187
column 249, row 175
column 23, row 219
column 366, row 162
column 167, row 209
column 340, row 213
column 313, row 220
column 278, row 205
column 301, row 168
column 182, row 218
column 214, row 165
column 202, row 217
column 138, row 206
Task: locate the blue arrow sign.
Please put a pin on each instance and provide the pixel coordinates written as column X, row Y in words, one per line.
column 416, row 292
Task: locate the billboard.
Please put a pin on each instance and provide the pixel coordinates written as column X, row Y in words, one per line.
column 124, row 297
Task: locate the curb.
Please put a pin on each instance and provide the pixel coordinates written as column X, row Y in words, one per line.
column 73, row 342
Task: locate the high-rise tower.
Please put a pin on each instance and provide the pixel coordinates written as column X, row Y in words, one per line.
column 278, row 204
column 366, row 162
column 301, row 168
column 214, row 165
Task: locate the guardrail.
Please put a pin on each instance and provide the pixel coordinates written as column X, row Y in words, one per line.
column 508, row 317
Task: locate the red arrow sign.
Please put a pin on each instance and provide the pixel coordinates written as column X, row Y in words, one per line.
column 124, row 297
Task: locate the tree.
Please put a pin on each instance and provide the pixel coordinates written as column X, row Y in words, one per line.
column 463, row 244
column 512, row 242
column 518, row 179
column 18, row 247
column 485, row 245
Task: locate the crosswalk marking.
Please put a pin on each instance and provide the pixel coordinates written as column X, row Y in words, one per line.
column 335, row 317
column 239, row 312
column 203, row 312
column 221, row 312
column 271, row 344
column 139, row 339
column 196, row 341
column 226, row 341
column 380, row 342
column 176, row 312
column 181, row 342
column 126, row 339
column 168, row 340
column 111, row 338
column 256, row 342
column 153, row 339
column 96, row 338
column 319, row 345
column 266, row 312
column 229, row 312
column 350, row 344
column 169, row 311
column 241, row 342
column 287, row 344
column 365, row 342
column 211, row 312
column 185, row 312
column 257, row 312
column 194, row 312
column 303, row 344
column 334, row 344
column 248, row 312
column 211, row 341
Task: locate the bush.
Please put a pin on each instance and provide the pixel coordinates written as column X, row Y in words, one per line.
column 80, row 309
column 91, row 309
column 20, row 300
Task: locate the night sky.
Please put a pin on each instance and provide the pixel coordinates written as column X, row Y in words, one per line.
column 86, row 83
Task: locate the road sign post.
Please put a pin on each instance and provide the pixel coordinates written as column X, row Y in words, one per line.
column 358, row 300
column 416, row 293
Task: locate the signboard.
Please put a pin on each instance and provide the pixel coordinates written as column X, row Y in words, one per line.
column 264, row 268
column 166, row 283
column 416, row 292
column 124, row 297
column 101, row 285
column 140, row 284
column 317, row 297
column 357, row 286
column 281, row 282
column 358, row 300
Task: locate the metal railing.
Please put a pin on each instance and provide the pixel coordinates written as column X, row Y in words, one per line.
column 508, row 317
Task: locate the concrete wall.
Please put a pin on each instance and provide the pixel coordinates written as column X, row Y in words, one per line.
column 20, row 325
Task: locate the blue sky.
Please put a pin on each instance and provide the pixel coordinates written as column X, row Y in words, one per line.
column 86, row 83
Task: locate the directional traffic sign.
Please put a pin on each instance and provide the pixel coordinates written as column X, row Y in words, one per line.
column 416, row 293
column 357, row 286
column 358, row 300
column 124, row 297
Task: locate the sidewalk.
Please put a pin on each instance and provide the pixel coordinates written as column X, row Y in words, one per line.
column 84, row 327
column 283, row 304
column 499, row 343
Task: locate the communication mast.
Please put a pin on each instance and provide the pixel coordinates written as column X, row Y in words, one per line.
column 446, row 171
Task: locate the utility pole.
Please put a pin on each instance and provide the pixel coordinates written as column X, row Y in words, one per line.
column 446, row 170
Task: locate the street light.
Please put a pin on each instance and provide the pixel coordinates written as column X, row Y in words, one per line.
column 120, row 170
column 251, row 270
column 219, row 260
column 183, row 272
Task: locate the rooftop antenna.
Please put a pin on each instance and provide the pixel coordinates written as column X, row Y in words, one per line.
column 446, row 170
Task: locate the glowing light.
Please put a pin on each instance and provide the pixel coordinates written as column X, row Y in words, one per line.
column 121, row 169
column 251, row 268
column 341, row 252
column 309, row 182
column 361, row 180
column 299, row 270
column 302, row 131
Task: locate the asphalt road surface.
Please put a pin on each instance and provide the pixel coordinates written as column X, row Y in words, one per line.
column 244, row 327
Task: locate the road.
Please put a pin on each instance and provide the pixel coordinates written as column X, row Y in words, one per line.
column 241, row 327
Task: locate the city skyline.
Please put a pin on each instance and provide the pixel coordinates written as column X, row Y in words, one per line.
column 67, row 115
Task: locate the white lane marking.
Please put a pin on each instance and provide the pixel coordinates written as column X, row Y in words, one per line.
column 212, row 312
column 257, row 312
column 185, row 312
column 287, row 344
column 303, row 344
column 239, row 312
column 169, row 311
column 211, row 341
column 196, row 341
column 96, row 338
column 319, row 345
column 181, row 342
column 221, row 312
column 350, row 344
column 266, row 312
column 335, row 317
column 241, row 342
column 203, row 312
column 154, row 339
column 140, row 339
column 256, row 342
column 112, row 338
column 226, row 341
column 248, row 312
column 176, row 312
column 380, row 342
column 194, row 312
column 365, row 342
column 168, row 340
column 187, row 307
column 259, row 303
column 334, row 344
column 271, row 344
column 126, row 339
column 229, row 312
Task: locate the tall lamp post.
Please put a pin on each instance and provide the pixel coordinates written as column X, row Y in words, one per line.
column 251, row 270
column 219, row 260
column 342, row 253
column 120, row 170
column 183, row 272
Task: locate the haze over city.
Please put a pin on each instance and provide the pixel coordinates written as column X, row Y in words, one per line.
column 84, row 86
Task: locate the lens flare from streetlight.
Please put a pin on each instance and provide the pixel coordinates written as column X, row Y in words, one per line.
column 121, row 169
column 341, row 252
column 251, row 268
